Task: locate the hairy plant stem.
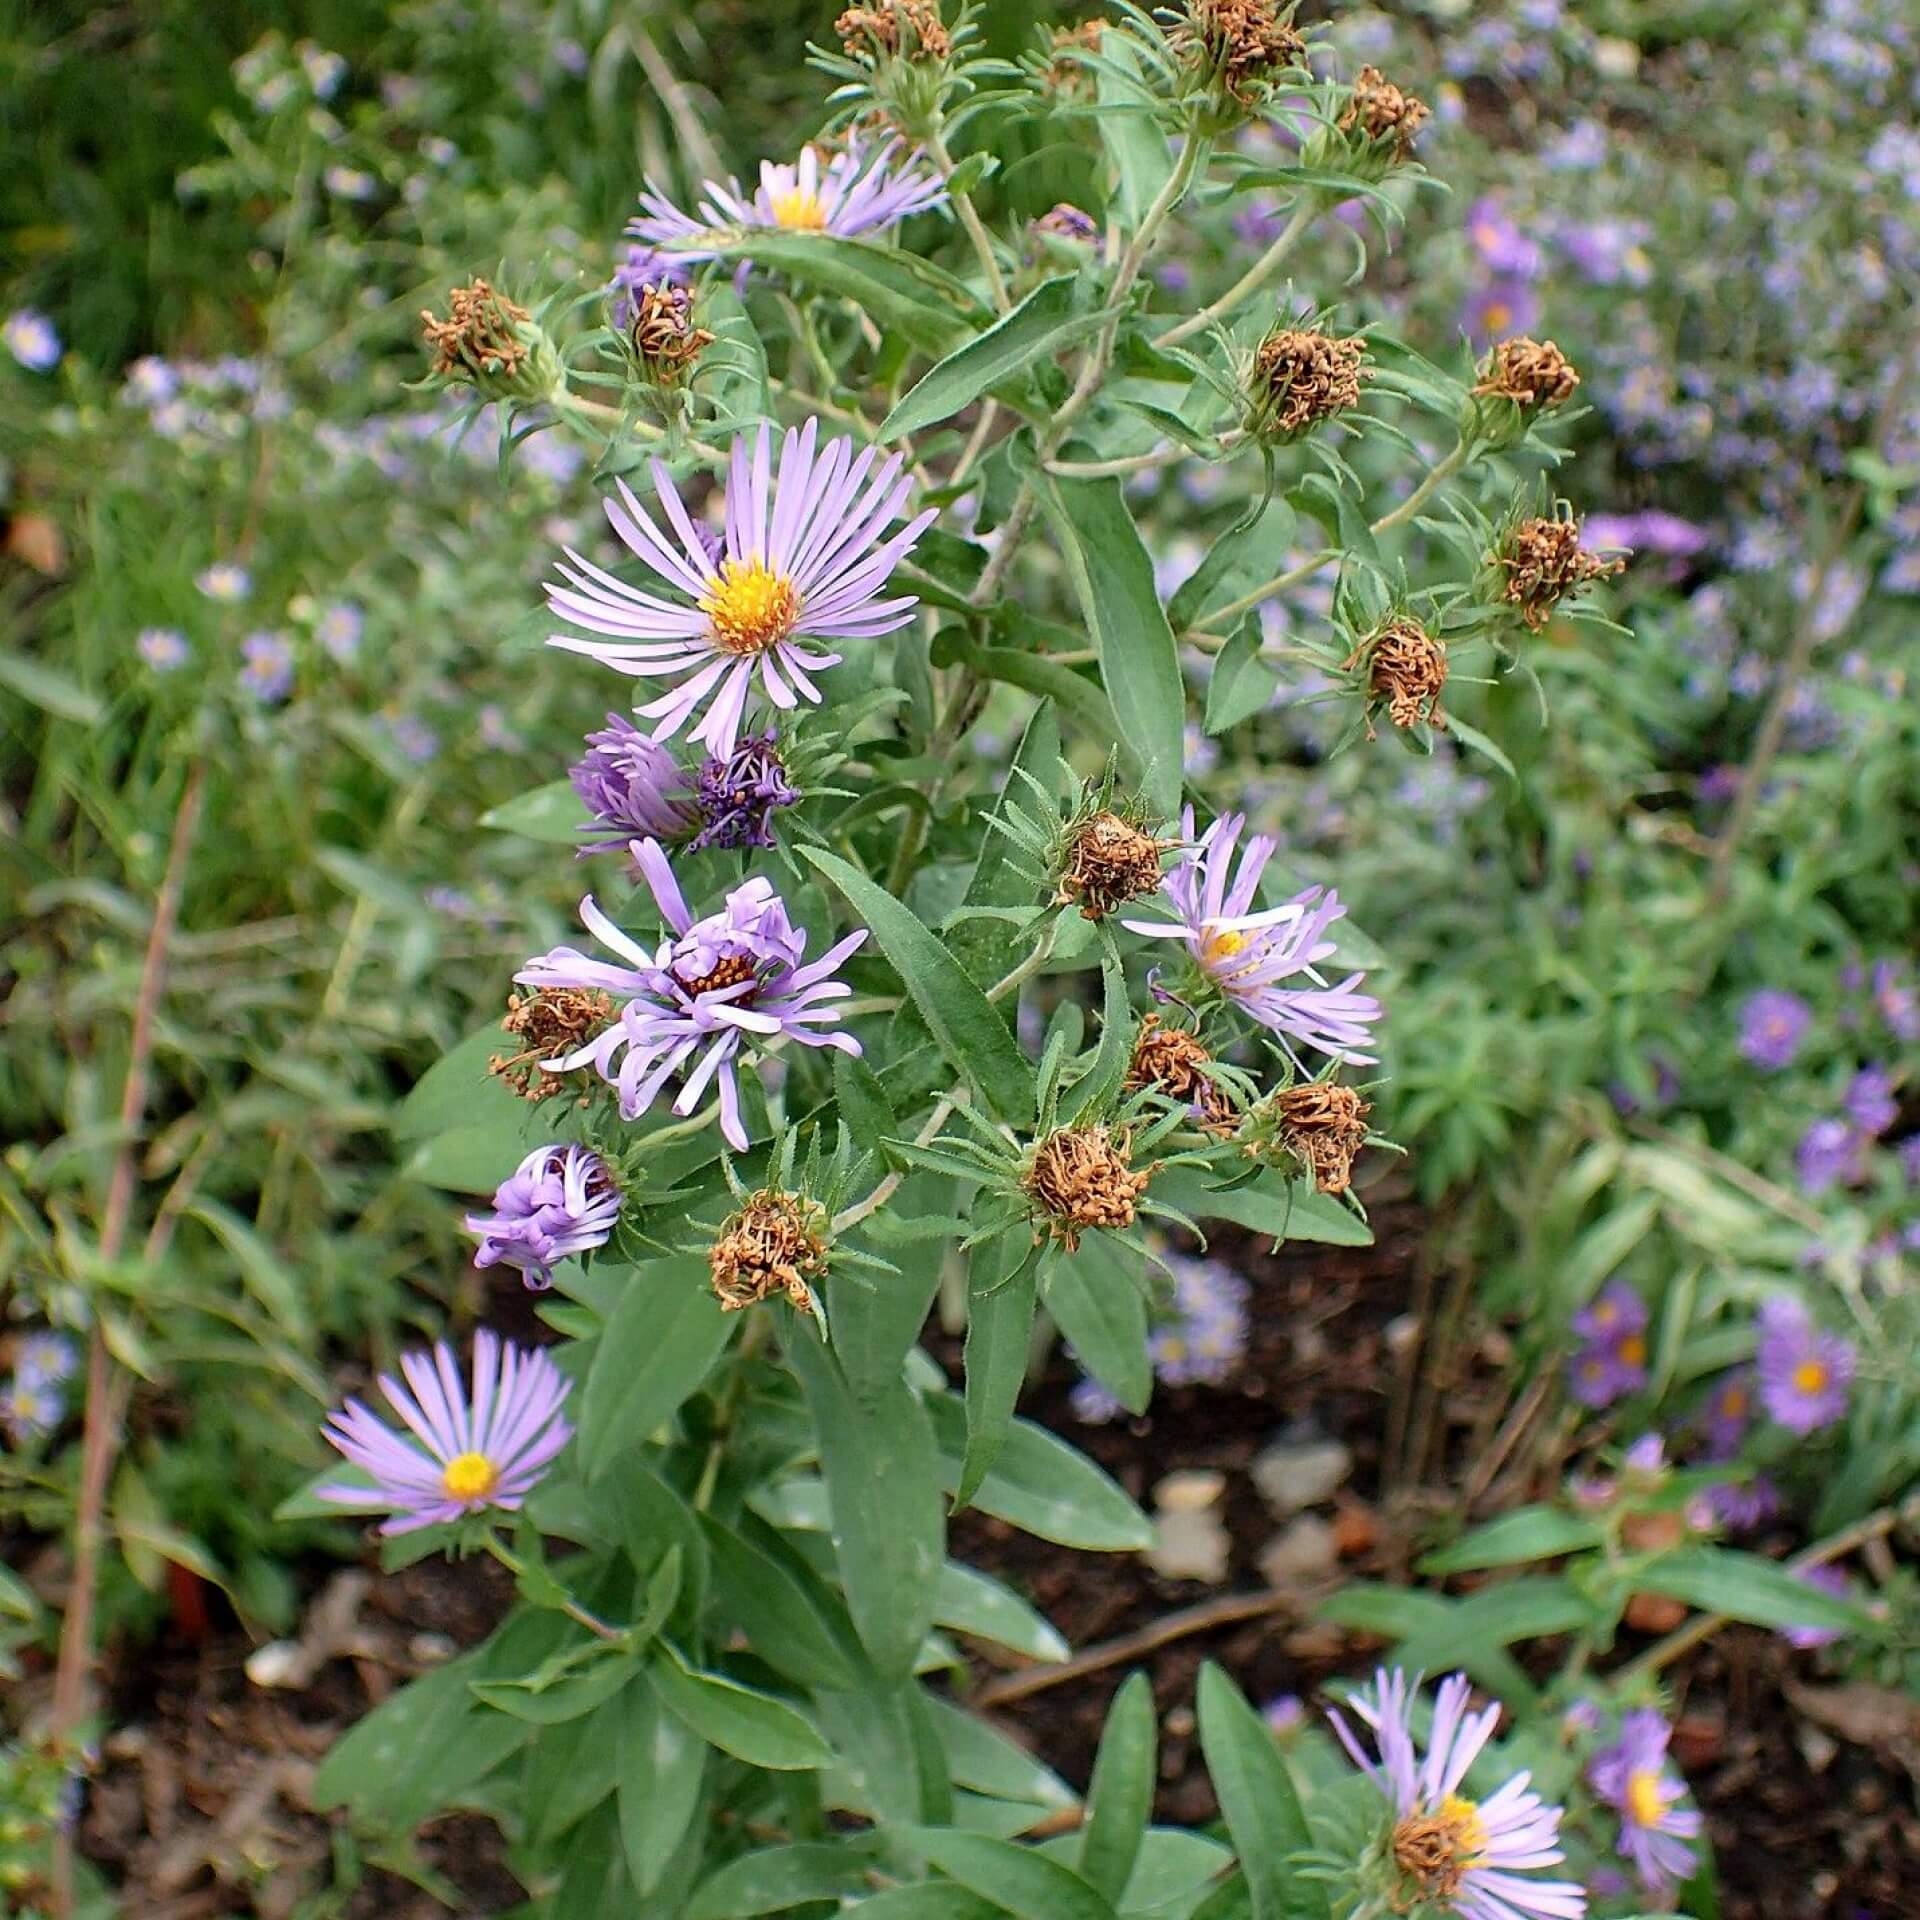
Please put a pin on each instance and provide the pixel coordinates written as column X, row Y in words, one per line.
column 969, row 219
column 108, row 1386
column 1255, row 277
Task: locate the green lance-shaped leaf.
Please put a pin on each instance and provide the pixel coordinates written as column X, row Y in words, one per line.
column 1120, row 1797
column 1397, row 1613
column 1497, row 1616
column 551, row 814
column 1001, row 877
column 663, row 1766
column 1017, row 1879
column 656, row 1351
column 1286, row 1209
column 1139, row 665
column 1242, row 683
column 777, row 1878
column 780, row 1607
column 1532, row 1533
column 1129, row 131
column 900, row 292
column 1079, row 696
column 1256, row 1795
column 961, row 1018
column 1096, row 1296
column 1000, row 1306
column 928, row 1900
column 1744, row 1586
column 751, row 1725
column 975, row 1603
column 1051, row 318
column 883, row 1485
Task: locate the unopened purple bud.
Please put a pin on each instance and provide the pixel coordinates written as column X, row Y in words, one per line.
column 739, row 794
column 631, row 783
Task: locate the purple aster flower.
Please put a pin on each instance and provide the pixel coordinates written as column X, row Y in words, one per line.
column 1604, row 1371
column 1068, row 222
column 1502, row 247
column 1909, row 1151
column 1285, row 1714
column 693, row 1005
column 804, row 559
column 31, row 1409
column 31, row 339
column 1092, row 1403
column 46, row 1359
column 739, row 795
column 1804, row 1374
column 1743, row 1505
column 629, row 782
column 1773, row 1022
column 1827, row 1580
column 1830, row 1152
column 1493, row 1844
column 1647, row 1456
column 1615, row 1310
column 1633, row 1777
column 1246, row 955
column 461, row 1453
column 225, row 582
column 1870, row 1101
column 1894, row 995
column 162, row 648
column 268, row 673
column 1499, row 309
column 1205, row 1335
column 846, row 193
column 1727, row 1414
column 1650, row 531
column 338, row 630
column 151, row 382
column 559, row 1201
column 642, row 268
column 1609, row 252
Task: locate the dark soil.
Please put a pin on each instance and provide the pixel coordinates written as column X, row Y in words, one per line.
column 200, row 1806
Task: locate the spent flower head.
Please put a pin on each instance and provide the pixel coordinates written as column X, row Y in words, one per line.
column 774, row 1243
column 1540, row 562
column 1403, row 667
column 1080, row 1178
column 1315, row 1130
column 1381, row 120
column 491, row 343
column 1175, row 1064
column 1238, row 48
column 549, row 1024
column 661, row 332
column 1299, row 377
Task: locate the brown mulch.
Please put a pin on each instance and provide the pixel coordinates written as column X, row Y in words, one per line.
column 1809, row 1790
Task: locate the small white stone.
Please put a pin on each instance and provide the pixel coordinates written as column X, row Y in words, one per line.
column 1305, row 1551
column 273, row 1664
column 1191, row 1543
column 1292, row 1474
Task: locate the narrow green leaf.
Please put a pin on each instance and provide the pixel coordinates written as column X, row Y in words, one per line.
column 1100, row 1084
column 776, row 1878
column 1745, row 1586
column 1000, row 1307
column 751, row 1725
column 663, row 1766
column 1256, row 1795
column 1120, row 1795
column 785, row 1617
column 1288, row 1210
column 1096, row 1296
column 1398, row 1613
column 1525, row 1609
column 929, row 1900
column 1023, row 1882
column 974, row 1603
column 1080, row 698
column 1139, row 665
column 551, row 814
column 1242, row 683
column 983, row 1761
column 1531, row 1533
column 1043, row 324
column 657, row 1350
column 1001, row 878
column 961, row 1018
column 1134, row 142
column 48, row 688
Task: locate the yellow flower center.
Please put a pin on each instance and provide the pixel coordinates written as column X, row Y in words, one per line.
column 1497, row 317
column 468, row 1476
column 1810, row 1376
column 1644, row 1804
column 1633, row 1350
column 1469, row 1831
column 799, row 210
column 752, row 608
column 1733, row 1403
column 1219, row 947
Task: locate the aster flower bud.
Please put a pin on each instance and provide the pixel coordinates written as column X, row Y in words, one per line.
column 1173, row 1062
column 1404, row 668
column 666, row 343
column 493, row 344
column 1239, row 47
column 1080, row 1178
column 559, row 1201
column 633, row 785
column 740, row 792
column 1315, row 1129
column 1541, row 562
column 549, row 1024
column 1298, row 377
column 1067, row 223
column 776, row 1243
column 1106, row 860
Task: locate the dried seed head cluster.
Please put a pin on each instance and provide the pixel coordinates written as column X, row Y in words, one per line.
column 776, row 1243
column 1242, row 42
column 1406, row 667
column 1064, row 73
column 1530, row 373
column 1301, row 377
column 1107, row 861
column 548, row 1022
column 1380, row 111
column 1544, row 561
column 480, row 338
column 1082, row 1177
column 1432, row 1851
column 891, row 27
column 1322, row 1126
column 1174, row 1062
column 664, row 336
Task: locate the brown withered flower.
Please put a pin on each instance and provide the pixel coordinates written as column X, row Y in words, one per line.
column 1544, row 561
column 664, row 336
column 1301, row 377
column 548, row 1022
column 1244, row 42
column 776, row 1243
column 1173, row 1061
column 479, row 337
column 1434, row 1850
column 1323, row 1125
column 1379, row 110
column 1108, row 862
column 1067, row 75
column 887, row 27
column 1407, row 669
column 1081, row 1177
column 1530, row 373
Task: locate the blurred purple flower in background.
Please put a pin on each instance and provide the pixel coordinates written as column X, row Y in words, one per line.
column 1870, row 1101
column 1773, row 1022
column 30, row 337
column 1633, row 1777
column 1827, row 1580
column 268, row 672
column 1804, row 1374
column 1831, row 1153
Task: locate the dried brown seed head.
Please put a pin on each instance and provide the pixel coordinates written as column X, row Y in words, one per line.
column 1174, row 1062
column 1407, row 669
column 1108, row 862
column 1531, row 373
column 1066, row 75
column 1245, row 42
column 480, row 336
column 1081, row 1177
column 548, row 1023
column 1544, row 562
column 776, row 1243
column 1323, row 1125
column 1301, row 377
column 1434, row 1850
column 1381, row 111
column 886, row 27
column 663, row 332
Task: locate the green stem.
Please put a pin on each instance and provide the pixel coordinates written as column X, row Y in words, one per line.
column 727, row 1408
column 970, row 219
column 571, row 1607
column 1255, row 277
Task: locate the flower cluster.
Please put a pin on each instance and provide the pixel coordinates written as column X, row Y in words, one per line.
column 1612, row 1360
column 32, row 1403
